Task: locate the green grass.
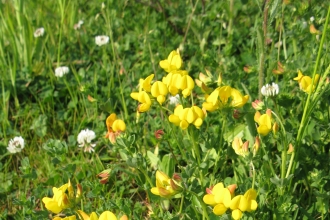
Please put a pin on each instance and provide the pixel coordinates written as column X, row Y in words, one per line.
column 219, row 37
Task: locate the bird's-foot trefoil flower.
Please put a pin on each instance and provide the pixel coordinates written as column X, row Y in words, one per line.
column 106, row 215
column 305, row 82
column 219, row 197
column 165, row 186
column 242, row 203
column 183, row 117
column 159, row 91
column 172, row 63
column 264, row 121
column 115, row 127
column 240, row 148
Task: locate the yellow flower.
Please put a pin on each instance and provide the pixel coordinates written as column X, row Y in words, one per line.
column 264, row 122
column 240, row 203
column 184, row 116
column 240, row 148
column 145, row 84
column 159, row 90
column 305, row 82
column 144, row 99
column 219, row 198
column 238, row 101
column 165, row 186
column 186, row 84
column 220, row 96
column 115, row 127
column 59, row 201
column 72, row 217
column 172, row 63
column 106, row 215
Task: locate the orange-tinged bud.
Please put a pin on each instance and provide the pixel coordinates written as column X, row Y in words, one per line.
column 248, row 69
column 209, row 190
column 70, row 189
column 232, row 188
column 256, row 145
column 124, row 217
column 275, row 128
column 291, row 149
column 257, row 116
column 79, row 191
column 313, row 30
column 258, row 105
column 245, row 147
column 91, row 99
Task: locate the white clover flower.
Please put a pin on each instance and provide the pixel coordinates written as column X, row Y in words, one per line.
column 312, row 18
column 174, row 99
column 39, row 32
column 78, row 25
column 15, row 145
column 270, row 90
column 62, row 70
column 85, row 138
column 101, row 40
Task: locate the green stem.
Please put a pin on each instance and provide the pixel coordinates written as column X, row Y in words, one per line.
column 201, row 202
column 253, row 174
column 224, row 123
column 304, row 119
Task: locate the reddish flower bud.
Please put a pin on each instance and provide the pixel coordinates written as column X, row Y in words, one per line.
column 159, row 134
column 258, row 105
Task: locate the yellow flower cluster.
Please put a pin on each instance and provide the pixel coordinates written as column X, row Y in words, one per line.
column 106, row 215
column 224, row 96
column 165, row 186
column 305, row 82
column 182, row 117
column 222, row 199
column 63, row 198
column 175, row 81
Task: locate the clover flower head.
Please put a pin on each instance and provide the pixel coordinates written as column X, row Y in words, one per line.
column 61, row 71
column 15, row 145
column 101, row 40
column 174, row 99
column 78, row 25
column 85, row 138
column 39, row 32
column 270, row 90
column 312, row 18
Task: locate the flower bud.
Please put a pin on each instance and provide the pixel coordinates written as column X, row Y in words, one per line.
column 236, row 114
column 258, row 105
column 159, row 134
column 124, row 217
column 291, row 149
column 256, row 145
column 275, row 128
column 105, row 174
column 248, row 69
column 232, row 188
